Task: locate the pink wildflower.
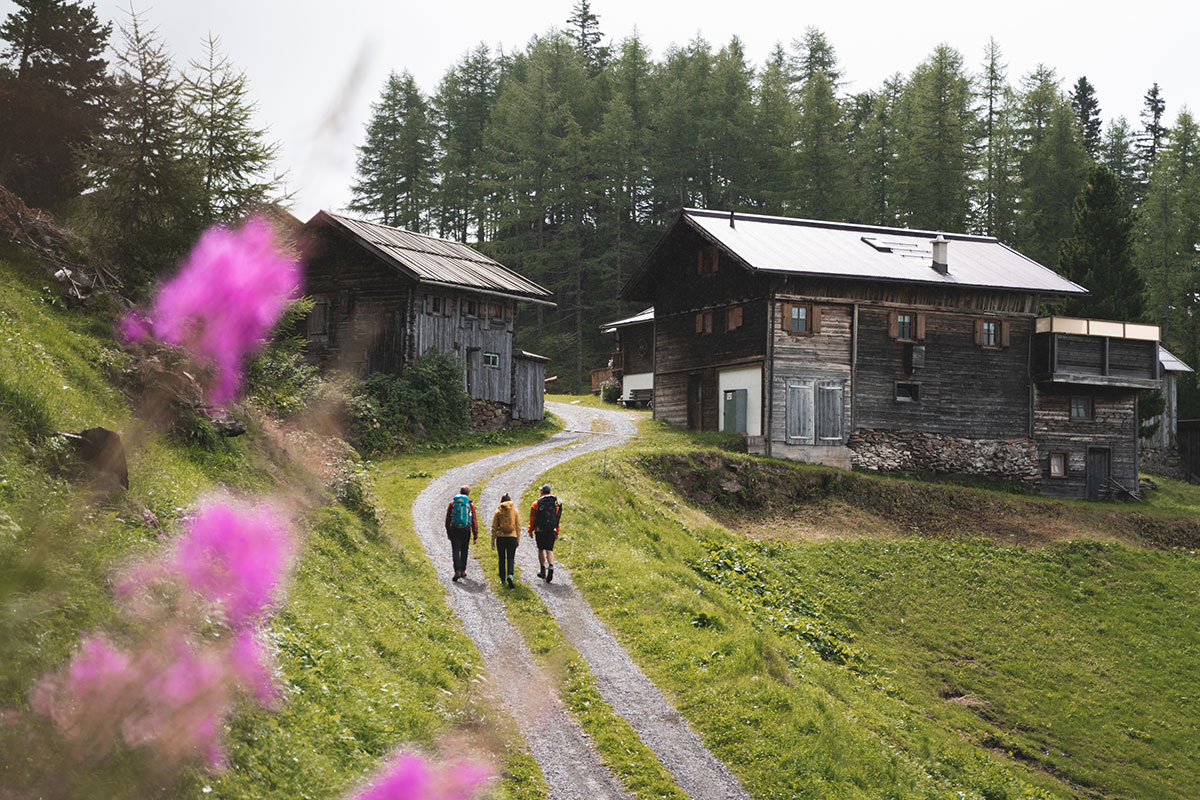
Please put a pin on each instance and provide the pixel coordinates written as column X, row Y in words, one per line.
column 229, row 293
column 410, row 777
column 251, row 663
column 236, row 557
column 134, row 327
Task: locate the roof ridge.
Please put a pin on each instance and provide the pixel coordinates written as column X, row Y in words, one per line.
column 850, row 226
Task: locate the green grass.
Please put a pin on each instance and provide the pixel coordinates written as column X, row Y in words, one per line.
column 1070, row 662
column 591, row 401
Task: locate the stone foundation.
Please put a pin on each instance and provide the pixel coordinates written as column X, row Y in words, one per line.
column 1162, row 461
column 489, row 415
column 916, row 451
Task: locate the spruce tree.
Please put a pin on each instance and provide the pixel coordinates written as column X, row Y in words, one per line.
column 583, row 27
column 53, row 94
column 812, row 54
column 822, row 182
column 776, row 129
column 994, row 206
column 1098, row 255
column 143, row 212
column 1087, row 115
column 728, row 130
column 1117, row 153
column 461, row 108
column 394, row 181
column 221, row 141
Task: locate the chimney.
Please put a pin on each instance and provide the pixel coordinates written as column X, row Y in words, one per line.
column 940, row 246
column 731, row 218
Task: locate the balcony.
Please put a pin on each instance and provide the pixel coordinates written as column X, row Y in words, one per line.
column 1092, row 352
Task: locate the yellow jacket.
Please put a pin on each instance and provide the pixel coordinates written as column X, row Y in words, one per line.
column 506, row 521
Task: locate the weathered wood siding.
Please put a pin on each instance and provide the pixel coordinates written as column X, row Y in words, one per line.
column 965, row 389
column 820, row 356
column 637, row 348
column 1114, row 426
column 529, row 382
column 469, row 337
column 363, row 303
column 1094, row 356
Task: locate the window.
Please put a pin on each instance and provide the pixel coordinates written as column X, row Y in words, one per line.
column 815, row 412
column 992, row 333
column 437, row 305
column 495, row 311
column 908, row 392
column 801, row 319
column 491, row 360
column 906, row 326
column 470, row 307
column 1081, row 408
column 733, row 318
column 704, row 322
column 1058, row 465
column 707, row 260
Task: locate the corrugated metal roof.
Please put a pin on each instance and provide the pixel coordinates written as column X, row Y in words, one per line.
column 642, row 316
column 842, row 250
column 1170, row 362
column 433, row 260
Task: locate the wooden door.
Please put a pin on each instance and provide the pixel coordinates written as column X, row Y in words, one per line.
column 1097, row 472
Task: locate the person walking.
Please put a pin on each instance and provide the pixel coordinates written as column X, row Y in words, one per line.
column 506, row 536
column 544, row 520
column 461, row 526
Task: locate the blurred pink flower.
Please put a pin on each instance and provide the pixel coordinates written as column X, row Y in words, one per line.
column 407, row 776
column 229, row 293
column 251, row 663
column 235, row 557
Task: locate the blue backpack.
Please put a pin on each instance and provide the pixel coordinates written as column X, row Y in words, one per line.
column 460, row 514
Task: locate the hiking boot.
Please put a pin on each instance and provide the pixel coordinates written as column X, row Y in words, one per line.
column 550, row 573
column 456, row 577
column 542, row 573
column 511, row 583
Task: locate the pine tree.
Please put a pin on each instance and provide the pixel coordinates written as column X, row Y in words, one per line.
column 1152, row 128
column 1099, row 253
column 394, row 182
column 822, row 182
column 874, row 153
column 53, row 93
column 776, row 129
column 812, row 54
column 1087, row 115
column 142, row 215
column 221, row 141
column 681, row 157
column 935, row 162
column 730, row 138
column 995, row 195
column 584, row 29
column 1117, row 153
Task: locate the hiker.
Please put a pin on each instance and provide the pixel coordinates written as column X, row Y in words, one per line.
column 506, row 535
column 461, row 527
column 543, row 524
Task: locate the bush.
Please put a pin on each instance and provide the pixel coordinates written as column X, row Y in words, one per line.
column 280, row 379
column 610, row 391
column 428, row 401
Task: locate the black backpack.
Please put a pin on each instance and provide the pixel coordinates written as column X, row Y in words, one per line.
column 548, row 513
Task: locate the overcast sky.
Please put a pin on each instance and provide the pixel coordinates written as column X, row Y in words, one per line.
column 315, row 67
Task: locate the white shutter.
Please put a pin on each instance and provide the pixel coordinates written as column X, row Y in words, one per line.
column 829, row 407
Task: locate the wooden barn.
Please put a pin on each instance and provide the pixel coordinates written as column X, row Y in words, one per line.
column 890, row 349
column 385, row 296
column 633, row 357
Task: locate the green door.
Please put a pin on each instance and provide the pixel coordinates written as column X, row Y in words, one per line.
column 735, row 411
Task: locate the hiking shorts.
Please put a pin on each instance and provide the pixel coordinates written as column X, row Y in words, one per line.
column 545, row 541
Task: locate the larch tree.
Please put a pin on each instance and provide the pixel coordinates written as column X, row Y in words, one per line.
column 462, row 107
column 1150, row 138
column 935, row 159
column 1098, row 254
column 220, row 139
column 729, row 130
column 394, row 182
column 53, row 96
column 583, row 26
column 994, row 207
column 1118, row 154
column 776, row 129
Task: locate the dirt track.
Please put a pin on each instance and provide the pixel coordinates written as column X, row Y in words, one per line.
column 565, row 753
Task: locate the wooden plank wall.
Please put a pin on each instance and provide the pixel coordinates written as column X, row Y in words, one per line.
column 822, row 356
column 1114, row 426
column 637, row 348
column 965, row 390
column 468, row 337
column 529, row 382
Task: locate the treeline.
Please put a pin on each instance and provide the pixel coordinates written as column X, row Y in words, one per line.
column 564, row 160
column 136, row 154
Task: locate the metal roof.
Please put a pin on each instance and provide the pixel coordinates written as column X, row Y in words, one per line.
column 1170, row 362
column 428, row 259
column 642, row 316
column 844, row 250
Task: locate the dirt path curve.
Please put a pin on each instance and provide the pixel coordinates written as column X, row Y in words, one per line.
column 568, row 760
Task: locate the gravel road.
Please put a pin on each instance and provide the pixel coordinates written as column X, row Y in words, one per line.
column 565, row 753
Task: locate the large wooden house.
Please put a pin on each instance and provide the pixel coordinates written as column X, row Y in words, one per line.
column 385, row 296
column 890, row 349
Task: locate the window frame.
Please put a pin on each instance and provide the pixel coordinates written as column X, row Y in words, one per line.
column 733, row 318
column 495, row 311
column 1002, row 330
column 1062, row 465
column 916, row 326
column 470, row 306
column 704, row 323
column 1090, row 410
column 491, row 360
column 812, row 318
column 913, row 395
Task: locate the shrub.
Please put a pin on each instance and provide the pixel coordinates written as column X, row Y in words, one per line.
column 610, row 391
column 427, row 401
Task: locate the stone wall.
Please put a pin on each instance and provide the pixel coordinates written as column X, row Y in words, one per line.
column 917, row 451
column 1162, row 461
column 489, row 415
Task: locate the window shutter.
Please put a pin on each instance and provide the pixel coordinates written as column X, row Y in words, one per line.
column 1005, row 334
column 978, row 331
column 800, row 412
column 920, row 321
column 893, row 325
column 816, row 319
column 700, row 323
column 786, row 324
column 829, row 412
column 716, row 259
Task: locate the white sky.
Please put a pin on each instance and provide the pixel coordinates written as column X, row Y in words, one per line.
column 315, row 67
